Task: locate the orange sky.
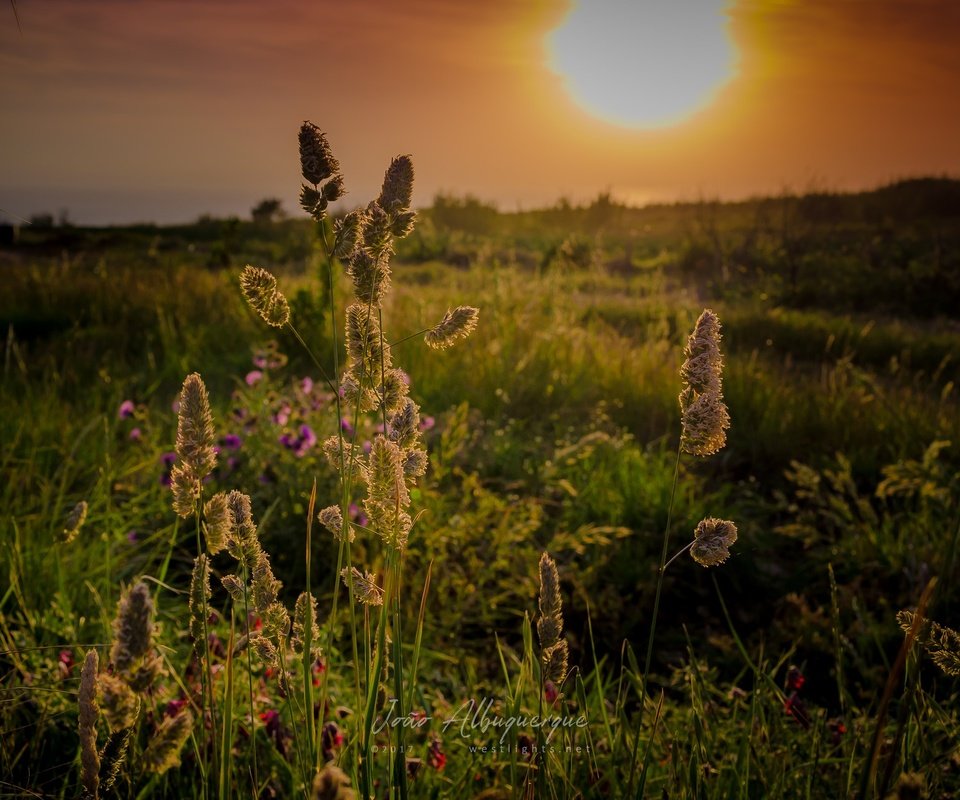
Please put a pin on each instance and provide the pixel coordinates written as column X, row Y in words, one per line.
column 123, row 110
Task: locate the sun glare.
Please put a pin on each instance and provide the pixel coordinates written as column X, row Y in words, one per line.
column 643, row 63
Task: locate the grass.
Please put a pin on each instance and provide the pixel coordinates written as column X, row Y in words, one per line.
column 554, row 430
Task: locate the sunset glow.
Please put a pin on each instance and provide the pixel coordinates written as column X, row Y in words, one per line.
column 645, row 64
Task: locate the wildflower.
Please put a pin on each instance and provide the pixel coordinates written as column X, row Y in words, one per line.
column 347, row 427
column 89, row 714
column 331, row 739
column 175, row 706
column 306, row 385
column 132, row 536
column 65, row 663
column 74, row 521
column 331, row 783
column 456, row 324
column 136, row 435
column 712, row 538
column 195, row 428
column 231, row 441
column 307, row 439
column 163, row 752
column 126, row 409
column 427, row 423
column 705, row 418
column 550, row 692
column 436, row 758
column 260, row 289
column 357, row 516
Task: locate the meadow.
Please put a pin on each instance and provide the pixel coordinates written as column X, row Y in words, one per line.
column 553, row 428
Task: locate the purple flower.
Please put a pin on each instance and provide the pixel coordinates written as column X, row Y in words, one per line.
column 175, row 406
column 126, row 409
column 168, row 459
column 232, row 463
column 136, row 434
column 253, row 376
column 282, row 417
column 306, row 385
column 307, row 439
column 367, row 446
column 347, row 427
column 427, row 423
column 357, row 515
column 131, row 536
column 287, row 441
column 231, row 441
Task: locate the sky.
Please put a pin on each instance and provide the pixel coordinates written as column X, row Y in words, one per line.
column 139, row 110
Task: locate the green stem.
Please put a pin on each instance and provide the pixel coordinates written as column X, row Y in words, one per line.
column 253, row 721
column 653, row 623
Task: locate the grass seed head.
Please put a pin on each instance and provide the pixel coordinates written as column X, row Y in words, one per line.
column 331, row 783
column 89, row 716
column 712, row 539
column 119, row 703
column 199, row 600
column 216, row 523
column 163, row 752
column 73, row 523
column 132, row 628
column 397, row 191
column 261, row 292
column 195, row 437
column 316, row 158
column 365, row 589
column 456, row 324
column 705, row 423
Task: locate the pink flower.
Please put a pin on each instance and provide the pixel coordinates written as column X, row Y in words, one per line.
column 126, row 409
column 253, row 376
column 306, row 385
column 135, row 435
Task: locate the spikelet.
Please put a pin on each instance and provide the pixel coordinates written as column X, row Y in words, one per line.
column 357, row 394
column 276, row 621
column 704, row 414
column 195, row 428
column 365, row 346
column 456, row 324
column 377, row 238
column 333, row 189
column 260, row 289
column 384, row 473
column 370, row 273
column 144, row 675
column 316, row 158
column 703, row 366
column 712, row 538
column 365, row 589
column 331, row 783
column 234, row 587
column 264, row 584
column 941, row 643
column 216, row 524
column 163, row 752
column 555, row 662
column 348, row 233
column 185, row 489
column 89, row 715
column 264, row 649
column 550, row 623
column 331, row 518
column 199, row 597
column 301, row 611
column 73, row 523
column 415, row 463
column 403, row 427
column 705, row 422
column 119, row 704
column 112, row 756
column 397, row 191
column 132, row 629
column 393, row 390
column 242, row 543
column 331, row 449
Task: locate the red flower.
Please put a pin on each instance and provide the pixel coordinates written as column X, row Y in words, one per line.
column 550, row 692
column 795, row 680
column 436, row 758
column 174, row 706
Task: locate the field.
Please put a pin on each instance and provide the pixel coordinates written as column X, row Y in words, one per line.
column 553, row 428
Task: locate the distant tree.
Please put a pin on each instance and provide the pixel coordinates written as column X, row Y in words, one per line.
column 42, row 220
column 268, row 210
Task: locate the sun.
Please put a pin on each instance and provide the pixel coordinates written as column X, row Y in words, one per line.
column 643, row 63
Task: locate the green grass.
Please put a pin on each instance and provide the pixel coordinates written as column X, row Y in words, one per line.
column 556, row 429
